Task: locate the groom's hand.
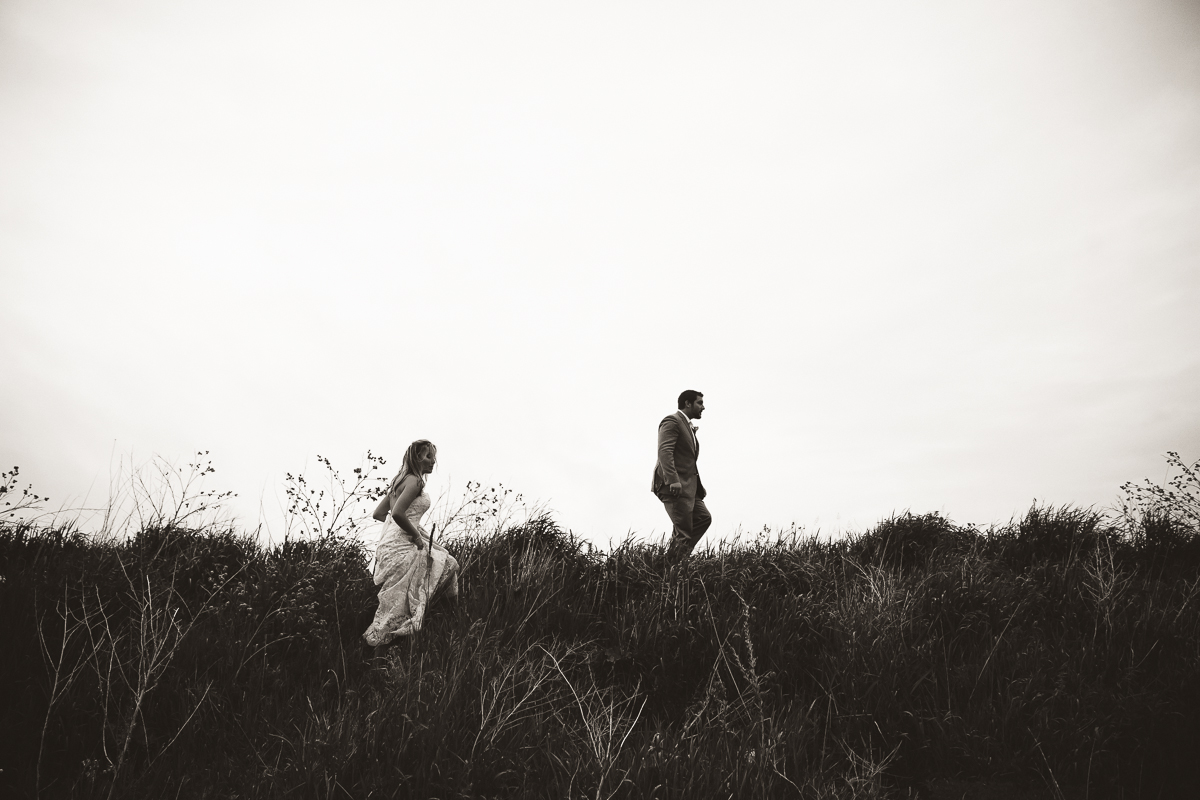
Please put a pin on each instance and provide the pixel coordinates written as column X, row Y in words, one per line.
column 676, row 487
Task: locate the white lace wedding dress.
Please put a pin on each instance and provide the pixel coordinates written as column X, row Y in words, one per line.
column 408, row 578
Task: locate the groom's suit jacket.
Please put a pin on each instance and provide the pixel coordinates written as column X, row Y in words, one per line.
column 678, row 449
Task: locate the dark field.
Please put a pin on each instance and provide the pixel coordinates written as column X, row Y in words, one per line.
column 1057, row 657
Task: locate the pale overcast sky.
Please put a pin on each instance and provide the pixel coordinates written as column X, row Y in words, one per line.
column 928, row 256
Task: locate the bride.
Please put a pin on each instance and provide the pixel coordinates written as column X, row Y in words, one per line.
column 408, row 570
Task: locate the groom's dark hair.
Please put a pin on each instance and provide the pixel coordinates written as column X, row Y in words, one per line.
column 689, row 396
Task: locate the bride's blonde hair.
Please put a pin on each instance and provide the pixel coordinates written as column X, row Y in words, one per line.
column 410, row 465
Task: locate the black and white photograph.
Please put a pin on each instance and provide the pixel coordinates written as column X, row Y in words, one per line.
column 620, row 400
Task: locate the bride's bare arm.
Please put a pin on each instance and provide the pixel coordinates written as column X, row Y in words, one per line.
column 381, row 510
column 410, row 489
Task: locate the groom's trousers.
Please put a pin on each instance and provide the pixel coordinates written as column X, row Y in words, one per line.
column 690, row 519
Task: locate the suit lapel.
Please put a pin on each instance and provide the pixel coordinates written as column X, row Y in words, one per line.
column 688, row 432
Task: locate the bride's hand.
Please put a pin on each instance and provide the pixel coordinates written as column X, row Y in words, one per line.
column 418, row 543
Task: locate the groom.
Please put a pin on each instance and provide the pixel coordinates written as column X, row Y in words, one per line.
column 676, row 481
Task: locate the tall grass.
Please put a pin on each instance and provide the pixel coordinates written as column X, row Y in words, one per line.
column 1057, row 656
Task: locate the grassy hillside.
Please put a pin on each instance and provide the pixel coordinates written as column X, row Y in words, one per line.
column 1056, row 657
